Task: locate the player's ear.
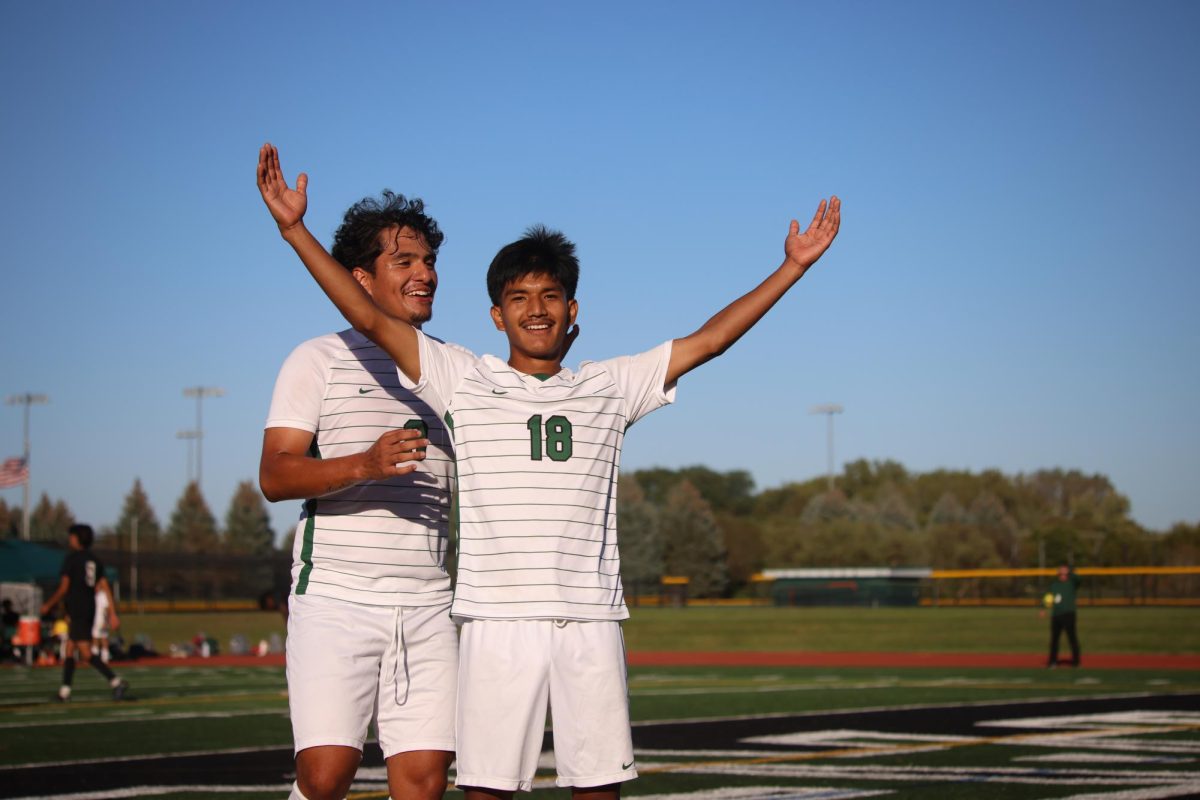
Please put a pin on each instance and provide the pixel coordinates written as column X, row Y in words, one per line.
column 572, row 310
column 365, row 279
column 498, row 319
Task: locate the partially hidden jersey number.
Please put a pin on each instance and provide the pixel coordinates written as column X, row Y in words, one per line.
column 555, row 433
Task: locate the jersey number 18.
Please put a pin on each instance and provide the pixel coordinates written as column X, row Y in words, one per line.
column 557, row 436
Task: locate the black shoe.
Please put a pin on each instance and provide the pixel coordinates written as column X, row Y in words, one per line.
column 118, row 691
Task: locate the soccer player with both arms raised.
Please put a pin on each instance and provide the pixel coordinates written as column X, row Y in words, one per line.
column 538, row 447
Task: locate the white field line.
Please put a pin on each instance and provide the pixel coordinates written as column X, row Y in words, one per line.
column 1190, row 789
column 902, row 707
column 144, row 757
column 1020, row 775
column 56, row 723
column 1102, row 758
column 151, row 791
column 770, row 793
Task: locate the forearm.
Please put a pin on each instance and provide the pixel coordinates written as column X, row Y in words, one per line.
column 351, row 299
column 54, row 598
column 286, row 476
column 719, row 333
column 397, row 337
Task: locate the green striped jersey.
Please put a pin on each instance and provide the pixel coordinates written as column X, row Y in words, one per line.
column 378, row 542
column 537, row 464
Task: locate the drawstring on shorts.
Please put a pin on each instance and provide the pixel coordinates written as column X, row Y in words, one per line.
column 401, row 663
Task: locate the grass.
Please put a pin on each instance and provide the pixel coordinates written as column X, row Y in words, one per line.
column 182, row 710
column 935, row 630
column 163, row 629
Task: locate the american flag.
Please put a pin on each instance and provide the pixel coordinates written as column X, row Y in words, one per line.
column 13, row 472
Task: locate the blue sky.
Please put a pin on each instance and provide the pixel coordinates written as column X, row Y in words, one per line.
column 1013, row 286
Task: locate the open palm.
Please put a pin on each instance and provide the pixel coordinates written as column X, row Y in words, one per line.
column 286, row 205
column 805, row 248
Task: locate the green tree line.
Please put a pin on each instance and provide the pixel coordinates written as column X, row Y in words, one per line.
column 717, row 530
column 191, row 529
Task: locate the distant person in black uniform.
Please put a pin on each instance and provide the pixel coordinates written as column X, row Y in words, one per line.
column 9, row 619
column 1060, row 600
column 83, row 576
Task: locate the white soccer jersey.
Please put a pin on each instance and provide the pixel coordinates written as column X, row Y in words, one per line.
column 537, row 478
column 378, row 542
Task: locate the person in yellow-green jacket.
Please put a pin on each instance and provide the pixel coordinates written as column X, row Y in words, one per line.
column 1060, row 600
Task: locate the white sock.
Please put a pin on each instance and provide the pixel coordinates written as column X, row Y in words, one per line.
column 64, row 692
column 296, row 793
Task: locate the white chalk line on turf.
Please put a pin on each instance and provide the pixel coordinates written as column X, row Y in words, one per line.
column 1190, row 789
column 770, row 793
column 128, row 720
column 1019, row 775
column 145, row 757
column 1068, row 757
column 833, row 712
column 149, row 791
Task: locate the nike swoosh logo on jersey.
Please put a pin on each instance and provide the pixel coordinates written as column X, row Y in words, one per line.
column 364, row 391
column 497, row 391
column 627, row 766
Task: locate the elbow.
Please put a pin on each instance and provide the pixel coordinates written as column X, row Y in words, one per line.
column 268, row 485
column 712, row 346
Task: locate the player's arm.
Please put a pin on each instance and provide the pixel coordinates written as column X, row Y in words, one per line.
column 286, row 471
column 64, row 583
column 719, row 333
column 397, row 338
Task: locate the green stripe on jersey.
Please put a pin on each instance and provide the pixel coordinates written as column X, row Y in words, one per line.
column 310, row 527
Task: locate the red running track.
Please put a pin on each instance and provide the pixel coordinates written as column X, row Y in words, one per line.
column 794, row 659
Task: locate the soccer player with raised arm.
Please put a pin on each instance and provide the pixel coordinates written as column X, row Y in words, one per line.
column 538, row 448
column 369, row 629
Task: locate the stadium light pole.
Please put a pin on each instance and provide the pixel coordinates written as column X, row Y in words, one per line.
column 26, row 400
column 190, row 436
column 828, row 409
column 201, row 392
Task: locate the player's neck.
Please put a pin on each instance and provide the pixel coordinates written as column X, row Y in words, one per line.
column 534, row 366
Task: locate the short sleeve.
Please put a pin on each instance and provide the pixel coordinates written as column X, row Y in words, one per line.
column 443, row 367
column 299, row 390
column 641, row 380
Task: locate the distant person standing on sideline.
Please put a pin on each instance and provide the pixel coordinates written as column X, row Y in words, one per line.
column 82, row 577
column 1060, row 599
column 100, row 629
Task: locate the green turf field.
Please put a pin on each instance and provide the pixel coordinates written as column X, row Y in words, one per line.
column 215, row 710
column 220, row 714
column 935, row 630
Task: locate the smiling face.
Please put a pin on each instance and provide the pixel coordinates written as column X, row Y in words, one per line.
column 535, row 314
column 403, row 278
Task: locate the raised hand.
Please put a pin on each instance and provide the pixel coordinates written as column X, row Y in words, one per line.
column 803, row 249
column 286, row 205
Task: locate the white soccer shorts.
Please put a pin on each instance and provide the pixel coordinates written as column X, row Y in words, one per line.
column 510, row 671
column 100, row 623
column 347, row 662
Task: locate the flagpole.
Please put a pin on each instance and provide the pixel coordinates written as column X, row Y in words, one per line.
column 26, row 400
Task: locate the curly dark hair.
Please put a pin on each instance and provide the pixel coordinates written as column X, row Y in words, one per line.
column 357, row 242
column 540, row 251
column 83, row 533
